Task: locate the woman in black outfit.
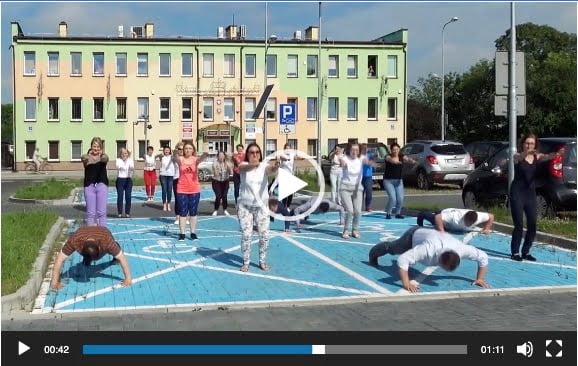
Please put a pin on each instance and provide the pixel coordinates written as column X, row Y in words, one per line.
column 523, row 196
column 393, row 181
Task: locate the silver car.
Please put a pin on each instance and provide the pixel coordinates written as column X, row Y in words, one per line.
column 436, row 162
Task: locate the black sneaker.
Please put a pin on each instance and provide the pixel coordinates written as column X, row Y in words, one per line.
column 528, row 257
column 399, row 216
column 181, row 237
column 194, row 236
column 388, row 217
column 516, row 257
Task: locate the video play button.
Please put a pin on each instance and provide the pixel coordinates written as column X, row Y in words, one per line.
column 22, row 348
column 289, row 184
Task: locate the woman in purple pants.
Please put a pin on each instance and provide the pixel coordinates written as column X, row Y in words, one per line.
column 95, row 183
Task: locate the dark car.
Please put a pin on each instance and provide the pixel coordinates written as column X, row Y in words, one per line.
column 480, row 151
column 379, row 150
column 555, row 180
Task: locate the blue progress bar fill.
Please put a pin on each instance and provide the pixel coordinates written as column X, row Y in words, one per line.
column 196, row 349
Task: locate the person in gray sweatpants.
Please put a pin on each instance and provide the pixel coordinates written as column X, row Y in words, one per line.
column 351, row 190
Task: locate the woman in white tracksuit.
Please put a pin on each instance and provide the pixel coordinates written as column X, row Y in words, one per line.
column 335, row 175
column 351, row 190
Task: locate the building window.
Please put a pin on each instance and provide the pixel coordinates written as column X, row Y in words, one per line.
column 294, row 101
column 292, row 66
column 311, row 65
column 30, row 148
column 372, row 66
column 165, row 143
column 29, row 63
column 98, row 63
column 392, row 108
column 331, row 143
column 333, row 71
column 272, row 109
column 120, row 144
column 165, row 64
column 53, row 64
column 292, row 143
column 372, row 141
column 98, row 109
column 351, row 66
column 352, row 141
column 229, row 66
column 333, row 108
column 142, row 60
column 142, row 108
column 351, row 108
column 30, row 109
column 312, row 147
column 271, row 146
column 53, row 150
column 208, row 65
column 142, row 148
column 187, row 64
column 311, row 108
column 121, row 64
column 249, row 108
column 229, row 109
column 187, row 110
column 75, row 150
column 372, row 109
column 75, row 63
column 53, row 114
column 121, row 109
column 272, row 66
column 391, row 141
column 392, row 66
column 250, row 65
column 208, row 109
column 165, row 109
column 76, row 109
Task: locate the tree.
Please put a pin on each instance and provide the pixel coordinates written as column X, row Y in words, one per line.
column 423, row 109
column 550, row 79
column 7, row 123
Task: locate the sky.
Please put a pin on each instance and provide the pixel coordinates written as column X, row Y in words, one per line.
column 466, row 41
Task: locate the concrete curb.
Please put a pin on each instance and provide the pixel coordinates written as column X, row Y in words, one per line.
column 60, row 202
column 23, row 299
column 546, row 238
column 451, row 295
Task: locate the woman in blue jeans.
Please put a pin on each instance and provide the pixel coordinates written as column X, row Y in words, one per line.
column 393, row 182
column 125, row 171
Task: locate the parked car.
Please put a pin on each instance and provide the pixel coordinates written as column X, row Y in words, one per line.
column 555, row 181
column 205, row 169
column 480, row 151
column 436, row 162
column 379, row 150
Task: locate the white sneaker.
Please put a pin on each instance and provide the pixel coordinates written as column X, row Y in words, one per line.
column 226, row 213
column 215, row 213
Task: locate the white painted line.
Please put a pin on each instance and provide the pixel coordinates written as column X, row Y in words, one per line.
column 284, row 279
column 153, row 258
column 353, row 241
column 558, row 265
column 337, row 265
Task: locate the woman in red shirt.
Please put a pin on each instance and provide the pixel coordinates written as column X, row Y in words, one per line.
column 188, row 189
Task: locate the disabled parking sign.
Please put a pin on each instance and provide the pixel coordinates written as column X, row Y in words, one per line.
column 287, row 113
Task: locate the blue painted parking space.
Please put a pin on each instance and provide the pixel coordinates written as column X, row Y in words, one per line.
column 139, row 195
column 315, row 264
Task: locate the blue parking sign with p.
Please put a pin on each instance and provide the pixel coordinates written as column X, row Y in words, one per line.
column 287, row 113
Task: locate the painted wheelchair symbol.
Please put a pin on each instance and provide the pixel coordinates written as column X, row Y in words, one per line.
column 164, row 247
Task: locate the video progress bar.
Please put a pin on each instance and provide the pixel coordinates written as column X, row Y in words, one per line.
column 269, row 349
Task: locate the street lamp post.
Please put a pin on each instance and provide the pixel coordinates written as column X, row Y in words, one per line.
column 265, row 77
column 443, row 116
